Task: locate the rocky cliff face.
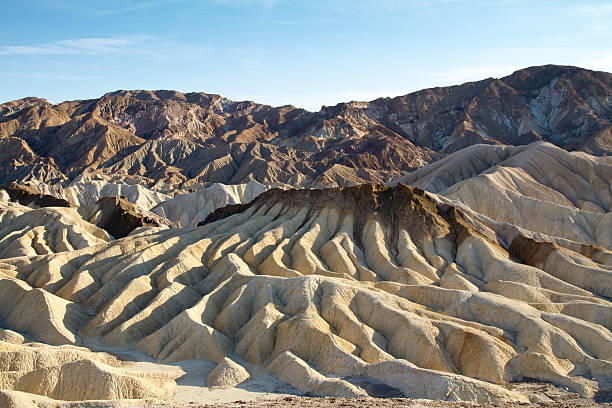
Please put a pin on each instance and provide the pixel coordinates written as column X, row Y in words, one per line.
column 198, row 138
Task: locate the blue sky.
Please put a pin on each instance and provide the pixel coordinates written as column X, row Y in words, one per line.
column 301, row 52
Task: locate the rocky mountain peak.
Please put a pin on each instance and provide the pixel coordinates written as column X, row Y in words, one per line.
column 340, row 145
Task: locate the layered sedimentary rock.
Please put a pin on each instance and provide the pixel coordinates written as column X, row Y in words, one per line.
column 120, row 217
column 489, row 264
column 81, row 192
column 76, row 374
column 538, row 187
column 182, row 139
column 182, row 208
column 27, row 232
column 395, row 285
column 31, row 197
column 187, row 210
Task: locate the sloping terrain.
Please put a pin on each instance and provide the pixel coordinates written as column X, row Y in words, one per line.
column 81, row 193
column 457, row 247
column 32, row 197
column 177, row 207
column 187, row 210
column 329, row 290
column 27, row 231
column 538, row 187
column 185, row 139
column 24, row 230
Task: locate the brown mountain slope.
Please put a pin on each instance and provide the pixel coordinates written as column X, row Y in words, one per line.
column 175, row 138
column 19, row 162
column 195, row 137
column 568, row 106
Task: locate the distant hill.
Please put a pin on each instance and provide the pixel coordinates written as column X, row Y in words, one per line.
column 195, row 138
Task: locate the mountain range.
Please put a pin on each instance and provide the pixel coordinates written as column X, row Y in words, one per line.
column 168, row 249
column 195, row 138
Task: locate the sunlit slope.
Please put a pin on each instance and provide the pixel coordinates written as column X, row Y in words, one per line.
column 539, row 187
column 392, row 284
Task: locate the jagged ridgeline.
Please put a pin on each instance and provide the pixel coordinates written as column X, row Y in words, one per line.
column 326, row 290
column 169, row 246
column 169, row 137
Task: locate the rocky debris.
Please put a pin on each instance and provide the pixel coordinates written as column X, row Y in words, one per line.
column 31, row 197
column 16, row 399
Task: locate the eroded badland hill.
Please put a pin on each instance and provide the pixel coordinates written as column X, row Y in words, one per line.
column 163, row 249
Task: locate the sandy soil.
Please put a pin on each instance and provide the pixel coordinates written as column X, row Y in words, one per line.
column 192, row 386
column 559, row 397
column 310, row 402
column 264, row 390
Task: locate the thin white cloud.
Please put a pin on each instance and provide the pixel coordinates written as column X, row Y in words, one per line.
column 266, row 4
column 251, row 60
column 598, row 17
column 142, row 45
column 127, row 7
column 95, row 8
column 596, row 10
column 60, row 77
column 79, row 46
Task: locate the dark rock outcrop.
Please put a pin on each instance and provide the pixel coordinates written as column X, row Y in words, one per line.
column 30, row 197
column 117, row 216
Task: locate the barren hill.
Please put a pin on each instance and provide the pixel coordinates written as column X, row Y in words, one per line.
column 458, row 247
column 539, row 187
column 326, row 290
column 199, row 138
